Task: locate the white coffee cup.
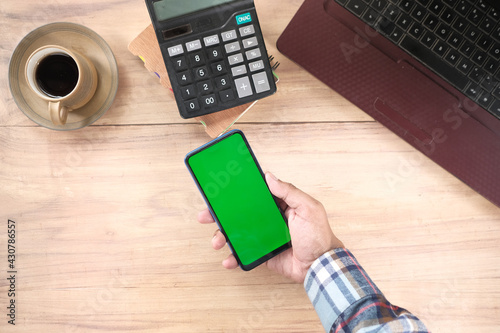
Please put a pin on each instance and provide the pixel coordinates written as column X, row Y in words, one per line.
column 66, row 79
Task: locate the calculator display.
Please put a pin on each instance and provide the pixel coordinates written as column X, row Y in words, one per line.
column 167, row 9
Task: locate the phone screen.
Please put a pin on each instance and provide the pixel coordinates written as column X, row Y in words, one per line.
column 233, row 185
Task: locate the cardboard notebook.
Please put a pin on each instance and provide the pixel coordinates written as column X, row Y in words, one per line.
column 145, row 46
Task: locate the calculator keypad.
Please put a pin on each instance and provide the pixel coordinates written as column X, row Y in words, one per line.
column 220, row 71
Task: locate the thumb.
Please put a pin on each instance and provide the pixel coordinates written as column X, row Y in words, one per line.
column 287, row 192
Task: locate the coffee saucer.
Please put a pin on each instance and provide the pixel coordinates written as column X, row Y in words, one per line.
column 75, row 37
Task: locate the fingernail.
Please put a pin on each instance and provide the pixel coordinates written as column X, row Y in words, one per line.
column 272, row 176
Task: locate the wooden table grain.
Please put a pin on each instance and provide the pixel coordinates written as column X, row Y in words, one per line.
column 106, row 231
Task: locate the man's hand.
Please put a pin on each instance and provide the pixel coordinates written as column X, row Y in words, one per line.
column 309, row 229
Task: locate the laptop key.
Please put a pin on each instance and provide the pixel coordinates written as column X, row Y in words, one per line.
column 477, row 74
column 455, row 40
column 392, row 12
column 475, row 16
column 370, row 17
column 379, row 5
column 443, row 31
column 472, row 33
column 491, row 66
column 481, row 4
column 464, row 7
column 431, row 22
column 473, row 91
column 465, row 66
column 407, row 5
column 448, row 15
column 416, row 30
column 385, row 26
column 460, row 24
column 485, row 100
column 493, row 13
column 479, row 57
column 357, row 7
column 436, row 7
column 487, row 25
column 489, row 83
column 495, row 51
column 452, row 57
column 467, row 48
column 419, row 13
column 496, row 92
column 404, row 21
column 429, row 39
column 396, row 35
column 495, row 108
column 449, row 73
column 485, row 42
column 441, row 48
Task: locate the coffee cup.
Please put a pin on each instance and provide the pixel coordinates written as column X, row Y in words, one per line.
column 64, row 78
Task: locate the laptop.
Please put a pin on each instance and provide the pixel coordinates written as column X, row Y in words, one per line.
column 429, row 70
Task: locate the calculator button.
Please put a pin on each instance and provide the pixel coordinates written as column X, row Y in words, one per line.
column 188, row 92
column 205, row 87
column 256, row 66
column 201, row 72
column 214, row 54
column 247, row 31
column 244, row 18
column 250, row 42
column 211, row 40
column 219, row 68
column 229, row 35
column 197, row 59
column 236, row 59
column 193, row 46
column 233, row 47
column 243, row 87
column 209, row 100
column 184, row 78
column 261, row 82
column 175, row 50
column 222, row 82
column 192, row 105
column 227, row 96
column 180, row 64
column 253, row 54
column 239, row 70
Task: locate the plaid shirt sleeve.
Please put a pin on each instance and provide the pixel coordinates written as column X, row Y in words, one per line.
column 347, row 300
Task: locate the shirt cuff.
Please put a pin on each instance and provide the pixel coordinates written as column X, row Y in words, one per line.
column 334, row 282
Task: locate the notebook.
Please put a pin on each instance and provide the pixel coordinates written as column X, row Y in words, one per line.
column 145, row 46
column 427, row 69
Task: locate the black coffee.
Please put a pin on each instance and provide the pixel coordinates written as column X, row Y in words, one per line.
column 57, row 75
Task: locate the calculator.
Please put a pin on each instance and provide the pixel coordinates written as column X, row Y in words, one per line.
column 214, row 53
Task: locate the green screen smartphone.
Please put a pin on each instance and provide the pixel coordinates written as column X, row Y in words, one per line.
column 233, row 186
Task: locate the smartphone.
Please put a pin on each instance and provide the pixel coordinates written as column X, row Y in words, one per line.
column 234, row 188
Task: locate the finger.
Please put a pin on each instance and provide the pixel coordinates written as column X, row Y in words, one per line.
column 291, row 195
column 205, row 217
column 218, row 241
column 230, row 262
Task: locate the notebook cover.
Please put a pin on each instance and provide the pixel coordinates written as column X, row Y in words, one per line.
column 396, row 91
column 145, row 46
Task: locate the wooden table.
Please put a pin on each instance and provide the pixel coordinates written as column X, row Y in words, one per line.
column 107, row 238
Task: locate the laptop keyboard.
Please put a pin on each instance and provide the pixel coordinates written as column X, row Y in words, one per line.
column 458, row 40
